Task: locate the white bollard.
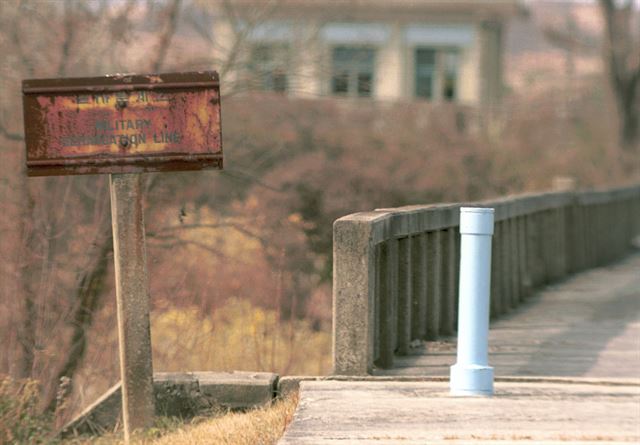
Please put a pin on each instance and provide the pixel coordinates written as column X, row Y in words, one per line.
column 472, row 375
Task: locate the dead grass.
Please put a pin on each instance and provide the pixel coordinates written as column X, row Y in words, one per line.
column 261, row 426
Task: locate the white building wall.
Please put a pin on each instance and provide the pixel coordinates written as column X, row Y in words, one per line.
column 469, row 78
column 390, row 66
column 307, row 70
column 312, row 42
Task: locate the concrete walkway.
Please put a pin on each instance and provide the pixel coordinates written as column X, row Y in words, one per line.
column 588, row 325
column 424, row 413
column 586, row 329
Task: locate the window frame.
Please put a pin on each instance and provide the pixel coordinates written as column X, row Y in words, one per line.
column 265, row 74
column 353, row 71
column 439, row 72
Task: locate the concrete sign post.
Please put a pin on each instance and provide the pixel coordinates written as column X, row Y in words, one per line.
column 472, row 375
column 132, row 296
column 123, row 125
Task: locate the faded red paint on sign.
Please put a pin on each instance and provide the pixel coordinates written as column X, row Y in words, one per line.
column 123, row 124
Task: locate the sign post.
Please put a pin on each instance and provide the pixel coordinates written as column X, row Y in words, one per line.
column 132, row 296
column 124, row 125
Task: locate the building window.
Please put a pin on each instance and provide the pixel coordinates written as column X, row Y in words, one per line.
column 353, row 71
column 268, row 67
column 450, row 63
column 436, row 73
column 425, row 72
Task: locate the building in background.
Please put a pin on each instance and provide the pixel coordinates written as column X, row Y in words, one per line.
column 385, row 49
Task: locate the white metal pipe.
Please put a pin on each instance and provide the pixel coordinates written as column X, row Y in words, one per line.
column 472, row 375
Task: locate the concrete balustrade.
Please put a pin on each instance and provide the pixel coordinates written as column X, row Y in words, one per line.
column 434, row 266
column 496, row 268
column 419, row 286
column 524, row 282
column 447, row 282
column 395, row 271
column 405, row 295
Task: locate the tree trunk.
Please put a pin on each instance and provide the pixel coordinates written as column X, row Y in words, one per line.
column 624, row 69
column 27, row 277
column 629, row 122
column 88, row 296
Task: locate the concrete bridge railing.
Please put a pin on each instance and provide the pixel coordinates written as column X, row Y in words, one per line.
column 395, row 272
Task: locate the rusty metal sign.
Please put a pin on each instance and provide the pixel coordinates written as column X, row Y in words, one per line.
column 122, row 124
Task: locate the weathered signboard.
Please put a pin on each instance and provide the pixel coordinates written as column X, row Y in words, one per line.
column 125, row 124
column 122, row 124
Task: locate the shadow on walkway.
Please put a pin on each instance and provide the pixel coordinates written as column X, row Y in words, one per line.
column 585, row 326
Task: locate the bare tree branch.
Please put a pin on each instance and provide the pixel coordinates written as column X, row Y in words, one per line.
column 166, row 36
column 87, row 297
column 65, row 49
column 17, row 42
column 9, row 135
column 609, row 19
column 160, row 233
column 242, row 31
column 244, row 176
column 182, row 242
column 624, row 68
column 203, row 31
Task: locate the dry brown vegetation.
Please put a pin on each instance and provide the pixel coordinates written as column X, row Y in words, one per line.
column 21, row 418
column 260, row 426
column 22, row 422
column 240, row 260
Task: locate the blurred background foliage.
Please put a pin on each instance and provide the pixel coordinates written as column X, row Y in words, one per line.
column 240, row 260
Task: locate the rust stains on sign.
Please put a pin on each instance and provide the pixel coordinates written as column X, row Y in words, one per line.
column 122, row 124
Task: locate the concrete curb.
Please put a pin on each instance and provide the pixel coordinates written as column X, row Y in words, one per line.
column 188, row 394
column 184, row 394
column 288, row 384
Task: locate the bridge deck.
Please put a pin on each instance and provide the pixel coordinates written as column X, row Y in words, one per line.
column 587, row 326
